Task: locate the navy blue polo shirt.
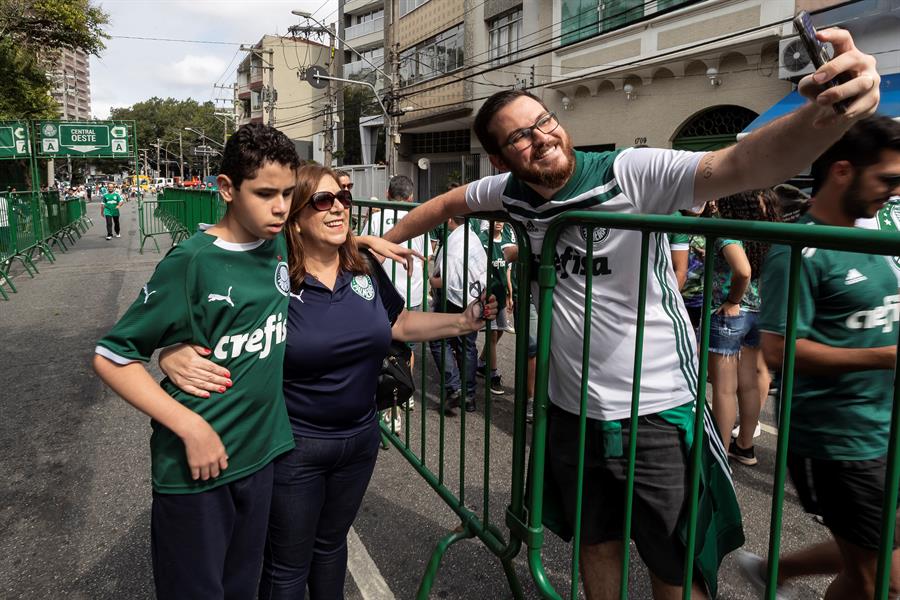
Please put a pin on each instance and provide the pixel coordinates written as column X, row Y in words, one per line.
column 336, row 342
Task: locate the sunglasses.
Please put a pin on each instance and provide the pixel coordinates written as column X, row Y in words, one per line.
column 323, row 201
column 347, row 186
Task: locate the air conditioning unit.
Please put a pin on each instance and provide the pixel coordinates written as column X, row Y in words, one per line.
column 793, row 61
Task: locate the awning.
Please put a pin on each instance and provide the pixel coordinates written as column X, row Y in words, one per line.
column 889, row 105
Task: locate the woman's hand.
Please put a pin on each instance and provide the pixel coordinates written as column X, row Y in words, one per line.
column 729, row 309
column 478, row 312
column 190, row 372
column 382, row 249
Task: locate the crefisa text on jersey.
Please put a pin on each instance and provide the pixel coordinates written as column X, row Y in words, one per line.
column 258, row 340
column 573, row 262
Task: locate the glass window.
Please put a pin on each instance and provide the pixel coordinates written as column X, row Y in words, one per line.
column 504, row 33
column 433, row 57
column 410, row 5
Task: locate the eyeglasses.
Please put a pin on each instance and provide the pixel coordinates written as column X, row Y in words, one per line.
column 522, row 139
column 891, row 181
column 347, row 186
column 323, row 201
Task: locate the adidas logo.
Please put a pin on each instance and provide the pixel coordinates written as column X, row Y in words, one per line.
column 854, row 276
column 530, row 226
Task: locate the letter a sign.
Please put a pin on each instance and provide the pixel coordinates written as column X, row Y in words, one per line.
column 119, row 146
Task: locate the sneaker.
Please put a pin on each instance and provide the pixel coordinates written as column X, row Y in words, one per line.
column 752, row 567
column 470, row 404
column 737, row 431
column 109, row 237
column 510, row 329
column 397, row 425
column 452, row 403
column 496, row 386
column 480, row 369
column 529, row 411
column 117, row 235
column 745, row 456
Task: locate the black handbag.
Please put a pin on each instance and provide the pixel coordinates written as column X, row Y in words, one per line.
column 395, row 382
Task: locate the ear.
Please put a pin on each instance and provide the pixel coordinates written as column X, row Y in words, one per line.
column 841, row 172
column 226, row 188
column 498, row 162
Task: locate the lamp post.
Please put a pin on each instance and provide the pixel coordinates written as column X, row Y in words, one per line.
column 203, row 137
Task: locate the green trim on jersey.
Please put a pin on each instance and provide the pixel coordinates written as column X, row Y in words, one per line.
column 846, row 300
column 232, row 299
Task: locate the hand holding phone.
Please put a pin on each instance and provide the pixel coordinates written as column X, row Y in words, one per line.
column 818, row 54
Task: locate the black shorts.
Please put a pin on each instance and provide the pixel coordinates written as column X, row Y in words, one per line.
column 846, row 494
column 660, row 487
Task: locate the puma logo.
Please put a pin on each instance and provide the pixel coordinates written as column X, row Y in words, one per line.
column 220, row 298
column 147, row 293
column 298, row 296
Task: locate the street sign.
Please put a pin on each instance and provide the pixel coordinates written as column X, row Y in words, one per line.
column 105, row 139
column 315, row 75
column 14, row 141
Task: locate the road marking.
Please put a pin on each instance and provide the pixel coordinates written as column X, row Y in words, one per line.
column 371, row 584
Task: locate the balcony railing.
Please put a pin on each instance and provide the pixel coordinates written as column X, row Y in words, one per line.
column 358, row 66
column 362, row 29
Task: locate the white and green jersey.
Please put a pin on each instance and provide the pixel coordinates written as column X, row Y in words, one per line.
column 379, row 224
column 887, row 219
column 846, row 300
column 644, row 180
column 231, row 298
column 111, row 203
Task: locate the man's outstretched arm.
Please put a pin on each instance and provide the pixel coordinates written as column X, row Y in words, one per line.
column 429, row 215
column 788, row 145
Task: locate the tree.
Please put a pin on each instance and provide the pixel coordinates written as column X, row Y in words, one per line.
column 359, row 102
column 31, row 33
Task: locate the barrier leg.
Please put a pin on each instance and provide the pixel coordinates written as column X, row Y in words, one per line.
column 435, row 563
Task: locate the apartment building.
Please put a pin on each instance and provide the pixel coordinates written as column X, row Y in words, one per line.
column 269, row 90
column 70, row 72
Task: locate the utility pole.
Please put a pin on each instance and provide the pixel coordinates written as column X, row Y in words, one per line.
column 181, row 155
column 329, row 94
column 158, row 145
column 271, row 93
column 392, row 132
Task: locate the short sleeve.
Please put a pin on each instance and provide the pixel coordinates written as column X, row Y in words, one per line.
column 391, row 299
column 720, row 244
column 657, row 181
column 773, row 289
column 159, row 316
column 486, row 194
column 679, row 241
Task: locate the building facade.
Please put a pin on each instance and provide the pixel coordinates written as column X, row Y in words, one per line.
column 71, row 75
column 269, row 89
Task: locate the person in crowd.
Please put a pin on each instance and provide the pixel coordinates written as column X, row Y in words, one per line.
column 501, row 287
column 793, row 201
column 844, row 363
column 543, row 178
column 456, row 279
column 212, row 456
column 110, row 204
column 342, row 314
column 737, row 371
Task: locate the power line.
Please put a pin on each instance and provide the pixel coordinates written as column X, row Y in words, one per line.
column 180, row 41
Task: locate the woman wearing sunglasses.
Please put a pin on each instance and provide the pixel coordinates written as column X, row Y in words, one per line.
column 342, row 317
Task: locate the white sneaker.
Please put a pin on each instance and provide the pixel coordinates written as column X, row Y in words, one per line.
column 756, row 432
column 117, row 235
column 109, row 237
column 752, row 567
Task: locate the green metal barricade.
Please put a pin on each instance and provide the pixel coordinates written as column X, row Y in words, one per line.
column 23, row 238
column 797, row 237
column 178, row 213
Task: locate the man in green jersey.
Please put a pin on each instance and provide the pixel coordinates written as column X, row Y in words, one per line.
column 110, row 203
column 847, row 325
column 227, row 289
column 501, row 287
column 544, row 177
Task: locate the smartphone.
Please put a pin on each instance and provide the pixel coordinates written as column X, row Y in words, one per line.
column 818, row 54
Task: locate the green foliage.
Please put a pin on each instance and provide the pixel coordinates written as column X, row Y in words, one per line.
column 31, row 31
column 359, row 102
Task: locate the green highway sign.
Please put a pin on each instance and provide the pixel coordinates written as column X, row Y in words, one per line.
column 105, row 139
column 14, row 140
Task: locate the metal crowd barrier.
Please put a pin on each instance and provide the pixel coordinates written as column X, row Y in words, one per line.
column 30, row 223
column 525, row 511
column 177, row 213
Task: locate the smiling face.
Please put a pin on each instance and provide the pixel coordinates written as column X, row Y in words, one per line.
column 259, row 208
column 548, row 162
column 324, row 228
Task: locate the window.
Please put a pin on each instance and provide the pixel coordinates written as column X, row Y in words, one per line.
column 504, row 33
column 433, row 57
column 435, row 142
column 584, row 18
column 372, row 16
column 407, row 6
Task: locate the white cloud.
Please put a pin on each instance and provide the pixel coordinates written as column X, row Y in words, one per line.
column 197, row 71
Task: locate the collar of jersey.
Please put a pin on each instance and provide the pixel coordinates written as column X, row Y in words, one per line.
column 238, row 247
column 342, row 279
column 519, row 189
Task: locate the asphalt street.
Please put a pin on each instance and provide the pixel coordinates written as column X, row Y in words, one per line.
column 74, row 465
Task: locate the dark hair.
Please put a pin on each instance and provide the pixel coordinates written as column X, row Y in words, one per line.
column 861, row 146
column 491, row 107
column 400, row 187
column 746, row 206
column 339, row 173
column 308, row 178
column 253, row 145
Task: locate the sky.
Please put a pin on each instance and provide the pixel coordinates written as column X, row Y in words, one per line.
column 132, row 70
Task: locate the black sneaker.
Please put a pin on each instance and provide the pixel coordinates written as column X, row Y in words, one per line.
column 452, row 403
column 745, row 456
column 496, row 386
column 470, row 404
column 479, row 371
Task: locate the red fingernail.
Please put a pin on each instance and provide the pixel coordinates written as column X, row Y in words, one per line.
column 206, row 394
column 227, row 373
column 222, row 389
column 229, row 383
column 207, row 350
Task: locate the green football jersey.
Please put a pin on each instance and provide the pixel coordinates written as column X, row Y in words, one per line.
column 847, row 300
column 231, row 298
column 498, row 267
column 111, row 202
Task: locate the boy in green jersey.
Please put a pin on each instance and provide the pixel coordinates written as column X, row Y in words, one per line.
column 847, row 327
column 227, row 289
column 110, row 203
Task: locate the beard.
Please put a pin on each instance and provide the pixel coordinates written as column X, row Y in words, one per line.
column 854, row 206
column 549, row 177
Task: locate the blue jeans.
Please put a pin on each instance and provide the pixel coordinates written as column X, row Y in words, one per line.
column 728, row 334
column 318, row 489
column 453, row 363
